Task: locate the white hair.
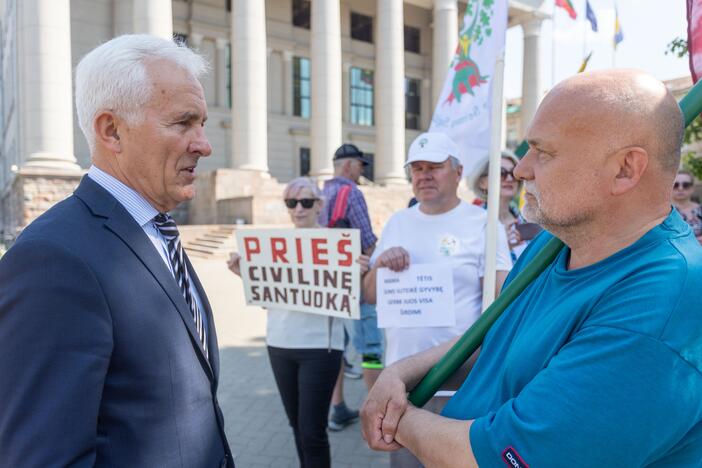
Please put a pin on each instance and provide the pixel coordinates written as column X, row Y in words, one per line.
column 113, row 77
column 295, row 186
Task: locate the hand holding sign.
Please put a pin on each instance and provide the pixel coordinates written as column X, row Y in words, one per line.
column 234, row 263
column 394, row 258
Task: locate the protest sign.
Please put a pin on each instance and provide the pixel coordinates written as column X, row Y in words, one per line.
column 306, row 270
column 421, row 296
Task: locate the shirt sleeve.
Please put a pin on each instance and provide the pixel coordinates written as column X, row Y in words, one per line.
column 358, row 217
column 603, row 400
column 503, row 257
column 56, row 335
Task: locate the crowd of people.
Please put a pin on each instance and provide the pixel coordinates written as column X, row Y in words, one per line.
column 109, row 352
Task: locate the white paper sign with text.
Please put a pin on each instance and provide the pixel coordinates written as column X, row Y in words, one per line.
column 421, row 296
column 306, row 270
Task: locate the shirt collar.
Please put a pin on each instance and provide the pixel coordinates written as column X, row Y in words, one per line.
column 136, row 205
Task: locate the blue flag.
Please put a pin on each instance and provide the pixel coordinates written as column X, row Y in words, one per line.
column 590, row 15
column 618, row 33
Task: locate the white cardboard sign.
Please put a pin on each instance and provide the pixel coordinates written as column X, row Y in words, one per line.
column 306, row 270
column 421, row 296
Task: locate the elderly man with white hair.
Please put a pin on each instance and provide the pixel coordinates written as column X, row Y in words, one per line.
column 108, row 351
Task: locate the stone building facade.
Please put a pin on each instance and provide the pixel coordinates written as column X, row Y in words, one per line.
column 290, row 81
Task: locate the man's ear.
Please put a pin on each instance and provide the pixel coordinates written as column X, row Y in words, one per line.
column 631, row 164
column 106, row 131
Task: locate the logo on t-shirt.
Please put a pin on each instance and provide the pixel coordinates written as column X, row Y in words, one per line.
column 512, row 458
column 448, row 245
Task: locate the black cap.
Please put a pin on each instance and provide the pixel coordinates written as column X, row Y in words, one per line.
column 347, row 150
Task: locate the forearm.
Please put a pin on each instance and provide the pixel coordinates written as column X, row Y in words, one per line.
column 435, row 440
column 369, row 293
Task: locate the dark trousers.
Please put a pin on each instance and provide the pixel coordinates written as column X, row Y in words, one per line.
column 305, row 379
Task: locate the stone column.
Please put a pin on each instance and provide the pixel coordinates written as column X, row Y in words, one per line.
column 249, row 86
column 325, row 56
column 390, row 93
column 45, row 85
column 153, row 17
column 288, row 84
column 445, row 40
column 222, row 96
column 531, row 83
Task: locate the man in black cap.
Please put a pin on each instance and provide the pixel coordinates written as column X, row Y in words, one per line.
column 353, row 213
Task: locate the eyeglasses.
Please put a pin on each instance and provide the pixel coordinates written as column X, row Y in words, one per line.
column 506, row 172
column 306, row 203
column 683, row 185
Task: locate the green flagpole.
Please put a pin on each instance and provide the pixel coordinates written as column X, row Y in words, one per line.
column 691, row 106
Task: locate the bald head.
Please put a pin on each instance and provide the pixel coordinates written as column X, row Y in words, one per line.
column 620, row 108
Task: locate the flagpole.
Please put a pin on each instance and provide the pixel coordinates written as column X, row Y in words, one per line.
column 614, row 41
column 585, row 35
column 553, row 46
column 493, row 201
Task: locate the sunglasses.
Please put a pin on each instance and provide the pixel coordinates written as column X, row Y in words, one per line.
column 506, row 172
column 306, row 203
column 683, row 185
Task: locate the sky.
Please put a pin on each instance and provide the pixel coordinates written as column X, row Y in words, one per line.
column 648, row 26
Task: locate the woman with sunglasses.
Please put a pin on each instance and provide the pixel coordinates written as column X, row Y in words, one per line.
column 691, row 212
column 509, row 190
column 305, row 349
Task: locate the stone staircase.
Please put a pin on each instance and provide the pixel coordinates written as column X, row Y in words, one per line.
column 209, row 241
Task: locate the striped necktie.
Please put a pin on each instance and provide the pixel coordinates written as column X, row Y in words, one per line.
column 168, row 229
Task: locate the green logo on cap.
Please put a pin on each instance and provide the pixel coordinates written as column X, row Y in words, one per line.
column 423, row 142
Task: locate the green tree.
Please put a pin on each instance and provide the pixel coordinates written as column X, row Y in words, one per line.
column 693, row 132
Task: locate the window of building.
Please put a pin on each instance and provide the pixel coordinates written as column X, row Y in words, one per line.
column 411, row 39
column 369, row 170
column 180, row 38
column 361, row 96
column 304, row 162
column 301, row 87
column 361, row 27
column 228, row 61
column 301, row 13
column 412, row 103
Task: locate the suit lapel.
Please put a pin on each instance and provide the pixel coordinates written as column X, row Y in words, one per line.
column 120, row 222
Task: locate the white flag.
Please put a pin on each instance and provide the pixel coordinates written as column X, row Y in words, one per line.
column 463, row 110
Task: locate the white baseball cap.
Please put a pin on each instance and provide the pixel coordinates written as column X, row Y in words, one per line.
column 432, row 147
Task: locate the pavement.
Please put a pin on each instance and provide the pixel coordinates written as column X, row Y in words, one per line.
column 255, row 422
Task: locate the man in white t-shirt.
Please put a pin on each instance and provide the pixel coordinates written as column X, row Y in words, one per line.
column 440, row 228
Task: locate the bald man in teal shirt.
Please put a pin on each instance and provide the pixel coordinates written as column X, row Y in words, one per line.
column 599, row 361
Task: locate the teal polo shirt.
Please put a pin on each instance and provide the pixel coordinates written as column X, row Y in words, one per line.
column 598, row 366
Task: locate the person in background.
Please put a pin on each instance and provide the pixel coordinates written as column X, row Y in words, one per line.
column 349, row 162
column 691, row 212
column 509, row 191
column 440, row 229
column 304, row 348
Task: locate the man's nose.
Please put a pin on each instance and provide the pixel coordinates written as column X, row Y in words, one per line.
column 200, row 144
column 523, row 169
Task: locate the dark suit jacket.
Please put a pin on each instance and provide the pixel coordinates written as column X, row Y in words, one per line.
column 100, row 363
